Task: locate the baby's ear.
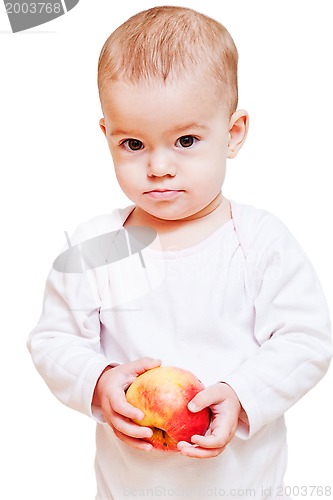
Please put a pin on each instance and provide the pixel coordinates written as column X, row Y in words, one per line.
column 102, row 125
column 238, row 128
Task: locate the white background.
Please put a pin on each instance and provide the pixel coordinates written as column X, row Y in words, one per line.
column 56, row 172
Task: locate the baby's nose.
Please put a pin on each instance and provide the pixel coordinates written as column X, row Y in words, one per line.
column 161, row 163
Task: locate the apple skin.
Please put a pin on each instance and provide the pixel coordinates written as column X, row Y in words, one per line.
column 163, row 394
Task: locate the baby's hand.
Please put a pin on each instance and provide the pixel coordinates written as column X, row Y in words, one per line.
column 110, row 396
column 226, row 409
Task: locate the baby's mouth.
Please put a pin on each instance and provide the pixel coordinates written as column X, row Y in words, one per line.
column 165, row 194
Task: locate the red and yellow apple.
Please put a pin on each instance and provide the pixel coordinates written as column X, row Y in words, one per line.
column 163, row 394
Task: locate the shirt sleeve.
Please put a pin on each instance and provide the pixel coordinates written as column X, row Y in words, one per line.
column 65, row 344
column 292, row 328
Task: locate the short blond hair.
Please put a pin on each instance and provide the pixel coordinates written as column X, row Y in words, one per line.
column 163, row 43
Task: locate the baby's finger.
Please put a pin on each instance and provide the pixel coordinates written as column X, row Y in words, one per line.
column 193, row 451
column 119, row 404
column 207, row 397
column 222, row 430
column 211, row 441
column 129, row 428
column 141, row 365
column 134, row 443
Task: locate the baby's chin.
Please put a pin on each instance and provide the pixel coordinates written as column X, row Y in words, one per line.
column 185, row 215
column 164, row 216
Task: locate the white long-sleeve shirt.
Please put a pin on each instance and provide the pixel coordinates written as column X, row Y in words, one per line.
column 244, row 306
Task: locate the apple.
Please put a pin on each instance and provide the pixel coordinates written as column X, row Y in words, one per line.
column 163, row 394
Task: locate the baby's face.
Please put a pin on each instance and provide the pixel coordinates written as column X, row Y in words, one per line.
column 169, row 145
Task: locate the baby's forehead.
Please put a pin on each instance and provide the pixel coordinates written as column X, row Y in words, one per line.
column 171, row 103
column 187, row 81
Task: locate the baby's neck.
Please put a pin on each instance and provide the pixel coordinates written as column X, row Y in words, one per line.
column 184, row 233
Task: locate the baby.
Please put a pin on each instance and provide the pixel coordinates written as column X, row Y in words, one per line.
column 222, row 289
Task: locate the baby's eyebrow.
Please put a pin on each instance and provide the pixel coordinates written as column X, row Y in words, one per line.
column 189, row 126
column 127, row 133
column 177, row 129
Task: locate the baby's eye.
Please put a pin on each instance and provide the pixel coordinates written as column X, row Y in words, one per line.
column 132, row 144
column 186, row 141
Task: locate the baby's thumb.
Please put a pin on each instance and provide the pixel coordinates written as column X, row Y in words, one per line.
column 142, row 365
column 198, row 402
